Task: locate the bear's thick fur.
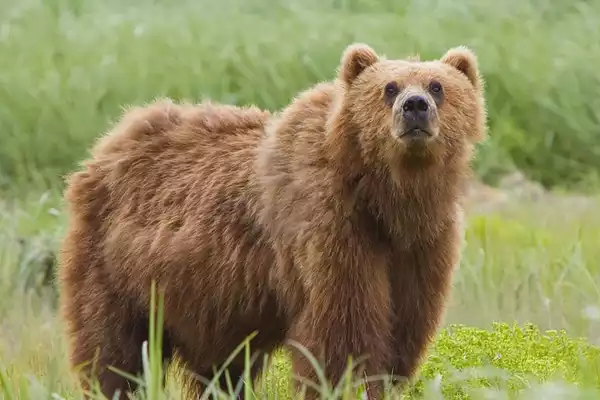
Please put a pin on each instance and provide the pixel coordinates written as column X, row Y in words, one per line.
column 335, row 223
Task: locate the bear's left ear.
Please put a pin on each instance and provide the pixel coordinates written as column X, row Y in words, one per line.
column 464, row 60
column 356, row 58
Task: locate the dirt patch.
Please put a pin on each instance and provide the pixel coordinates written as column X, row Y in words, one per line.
column 514, row 189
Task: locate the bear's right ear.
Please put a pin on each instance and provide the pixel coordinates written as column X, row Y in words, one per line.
column 355, row 59
column 464, row 60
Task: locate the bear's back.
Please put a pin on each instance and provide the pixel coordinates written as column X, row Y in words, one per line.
column 170, row 194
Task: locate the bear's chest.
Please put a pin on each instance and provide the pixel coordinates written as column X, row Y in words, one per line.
column 405, row 224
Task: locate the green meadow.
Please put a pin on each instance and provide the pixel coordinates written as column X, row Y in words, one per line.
column 524, row 317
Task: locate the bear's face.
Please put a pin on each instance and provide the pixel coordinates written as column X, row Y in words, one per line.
column 411, row 109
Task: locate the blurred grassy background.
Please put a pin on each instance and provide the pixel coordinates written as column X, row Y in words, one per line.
column 67, row 67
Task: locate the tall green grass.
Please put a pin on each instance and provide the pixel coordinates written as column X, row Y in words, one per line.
column 508, row 361
column 68, row 66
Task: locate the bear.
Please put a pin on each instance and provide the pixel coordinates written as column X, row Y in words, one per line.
column 334, row 223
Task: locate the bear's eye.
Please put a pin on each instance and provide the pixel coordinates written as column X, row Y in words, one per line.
column 391, row 89
column 435, row 87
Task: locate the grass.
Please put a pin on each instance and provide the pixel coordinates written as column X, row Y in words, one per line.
column 463, row 363
column 550, row 282
column 68, row 66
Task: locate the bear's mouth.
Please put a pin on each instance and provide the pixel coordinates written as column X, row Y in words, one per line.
column 416, row 134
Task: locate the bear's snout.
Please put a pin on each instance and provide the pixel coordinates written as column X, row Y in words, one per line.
column 416, row 107
column 414, row 115
column 415, row 112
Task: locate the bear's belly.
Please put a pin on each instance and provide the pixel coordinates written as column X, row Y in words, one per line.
column 210, row 332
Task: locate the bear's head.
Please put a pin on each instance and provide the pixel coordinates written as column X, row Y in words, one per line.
column 411, row 112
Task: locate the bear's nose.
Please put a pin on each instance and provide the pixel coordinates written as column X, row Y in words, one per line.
column 415, row 108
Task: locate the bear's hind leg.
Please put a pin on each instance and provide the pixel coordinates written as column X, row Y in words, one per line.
column 107, row 341
column 107, row 331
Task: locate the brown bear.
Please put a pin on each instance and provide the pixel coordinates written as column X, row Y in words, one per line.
column 335, row 223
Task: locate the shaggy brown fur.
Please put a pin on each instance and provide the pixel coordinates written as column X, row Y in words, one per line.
column 332, row 224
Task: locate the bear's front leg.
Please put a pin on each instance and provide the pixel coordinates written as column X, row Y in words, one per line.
column 347, row 314
column 420, row 284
